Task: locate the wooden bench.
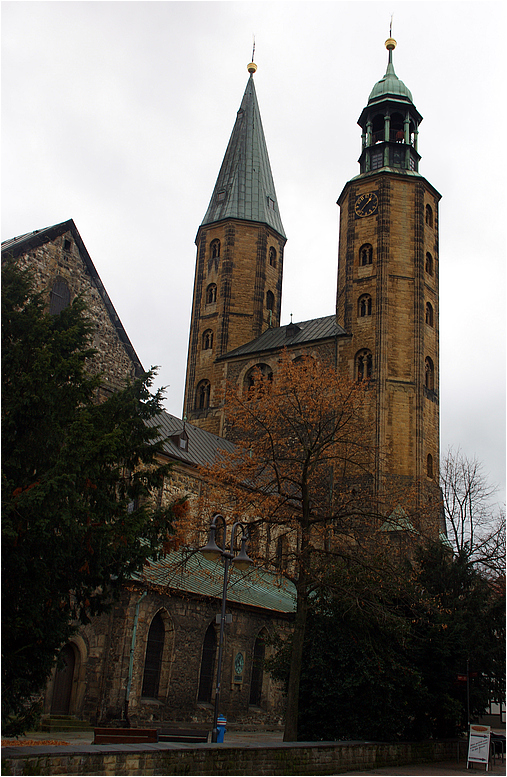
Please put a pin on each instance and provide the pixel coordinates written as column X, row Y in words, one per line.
column 124, row 736
column 189, row 735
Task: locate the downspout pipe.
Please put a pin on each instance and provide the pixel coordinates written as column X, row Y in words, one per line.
column 131, row 660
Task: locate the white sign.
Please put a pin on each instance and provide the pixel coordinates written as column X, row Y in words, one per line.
column 478, row 744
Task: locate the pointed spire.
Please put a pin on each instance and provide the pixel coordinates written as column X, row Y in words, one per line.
column 245, row 188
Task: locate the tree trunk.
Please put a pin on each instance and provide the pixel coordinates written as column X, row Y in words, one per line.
column 290, row 733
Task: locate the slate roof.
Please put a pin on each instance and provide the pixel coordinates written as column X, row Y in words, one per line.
column 202, row 446
column 23, row 243
column 190, row 572
column 301, row 333
column 245, row 188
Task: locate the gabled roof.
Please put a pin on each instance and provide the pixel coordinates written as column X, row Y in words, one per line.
column 190, row 572
column 245, row 188
column 202, row 446
column 302, row 333
column 23, row 243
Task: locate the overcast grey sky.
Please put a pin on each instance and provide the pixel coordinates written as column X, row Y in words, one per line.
column 117, row 115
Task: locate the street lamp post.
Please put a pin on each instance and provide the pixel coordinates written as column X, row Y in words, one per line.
column 212, row 552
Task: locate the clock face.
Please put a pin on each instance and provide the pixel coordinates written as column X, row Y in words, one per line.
column 366, row 204
column 239, row 663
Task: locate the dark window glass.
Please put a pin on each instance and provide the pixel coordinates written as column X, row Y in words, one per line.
column 211, row 294
column 366, row 254
column 153, row 660
column 257, row 671
column 429, row 372
column 203, row 395
column 207, row 665
column 207, row 340
column 364, row 365
column 215, row 249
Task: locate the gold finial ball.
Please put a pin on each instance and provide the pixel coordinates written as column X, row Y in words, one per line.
column 252, row 67
column 390, row 44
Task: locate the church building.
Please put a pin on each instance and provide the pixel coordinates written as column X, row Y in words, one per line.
column 385, row 327
column 153, row 656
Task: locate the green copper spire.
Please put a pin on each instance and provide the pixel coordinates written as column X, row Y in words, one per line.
column 390, row 85
column 390, row 124
column 245, row 188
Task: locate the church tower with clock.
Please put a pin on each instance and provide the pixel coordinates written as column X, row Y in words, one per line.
column 387, row 294
column 385, row 329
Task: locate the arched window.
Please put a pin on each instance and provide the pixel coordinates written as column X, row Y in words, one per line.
column 364, row 365
column 281, row 552
column 429, row 374
column 259, row 654
column 153, row 660
column 206, row 677
column 364, row 306
column 60, row 297
column 429, row 263
column 214, row 248
column 256, row 372
column 429, row 465
column 270, row 300
column 272, row 257
column 429, row 216
column 211, row 294
column 207, row 340
column 203, row 395
column 378, row 128
column 429, row 314
column 365, row 255
column 397, row 126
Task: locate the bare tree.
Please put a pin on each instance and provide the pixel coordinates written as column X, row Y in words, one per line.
column 475, row 526
column 301, row 470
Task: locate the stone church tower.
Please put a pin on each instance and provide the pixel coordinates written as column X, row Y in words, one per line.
column 238, row 275
column 386, row 325
column 387, row 297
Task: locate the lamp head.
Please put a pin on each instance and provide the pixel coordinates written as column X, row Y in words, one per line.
column 242, row 561
column 211, row 551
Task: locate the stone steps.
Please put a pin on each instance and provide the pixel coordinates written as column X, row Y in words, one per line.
column 64, row 723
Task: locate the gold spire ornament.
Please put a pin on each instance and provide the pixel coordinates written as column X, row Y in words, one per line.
column 252, row 67
column 390, row 42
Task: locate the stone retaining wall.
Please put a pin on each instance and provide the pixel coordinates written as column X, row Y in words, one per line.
column 303, row 758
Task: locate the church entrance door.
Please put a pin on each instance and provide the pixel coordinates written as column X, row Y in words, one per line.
column 62, row 688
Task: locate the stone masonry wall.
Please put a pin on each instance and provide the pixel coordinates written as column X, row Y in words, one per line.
column 50, row 262
column 302, row 758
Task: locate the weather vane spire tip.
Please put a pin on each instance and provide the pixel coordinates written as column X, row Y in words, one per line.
column 252, row 67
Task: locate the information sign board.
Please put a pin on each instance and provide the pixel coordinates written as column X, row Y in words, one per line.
column 478, row 744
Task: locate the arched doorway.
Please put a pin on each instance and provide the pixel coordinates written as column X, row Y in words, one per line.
column 62, row 687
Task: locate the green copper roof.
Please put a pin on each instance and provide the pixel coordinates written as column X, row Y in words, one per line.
column 245, row 187
column 390, row 86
